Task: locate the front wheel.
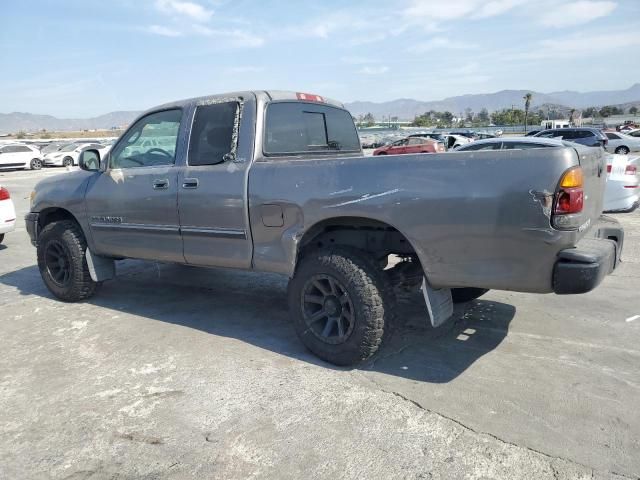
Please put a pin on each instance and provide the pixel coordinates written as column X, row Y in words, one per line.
column 62, row 262
column 622, row 150
column 340, row 303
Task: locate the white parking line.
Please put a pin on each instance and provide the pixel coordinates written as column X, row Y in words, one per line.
column 631, row 319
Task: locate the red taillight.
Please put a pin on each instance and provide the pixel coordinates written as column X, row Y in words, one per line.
column 569, row 200
column 608, row 168
column 570, row 195
column 630, row 170
column 4, row 194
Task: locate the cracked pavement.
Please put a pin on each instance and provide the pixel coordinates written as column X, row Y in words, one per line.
column 179, row 372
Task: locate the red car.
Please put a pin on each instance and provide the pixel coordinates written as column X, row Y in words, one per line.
column 411, row 145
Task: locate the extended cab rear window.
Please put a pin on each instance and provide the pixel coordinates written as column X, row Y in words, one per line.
column 295, row 128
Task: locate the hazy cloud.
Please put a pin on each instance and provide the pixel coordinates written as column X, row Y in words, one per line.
column 164, row 31
column 369, row 70
column 440, row 43
column 191, row 10
column 576, row 13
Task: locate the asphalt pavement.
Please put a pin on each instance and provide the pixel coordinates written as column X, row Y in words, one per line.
column 182, row 372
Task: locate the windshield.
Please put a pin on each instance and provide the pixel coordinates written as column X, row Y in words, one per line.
column 294, row 128
column 68, row 148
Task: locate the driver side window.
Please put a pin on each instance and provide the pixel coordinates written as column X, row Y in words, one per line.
column 150, row 142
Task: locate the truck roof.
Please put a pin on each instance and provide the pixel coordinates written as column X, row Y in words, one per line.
column 264, row 95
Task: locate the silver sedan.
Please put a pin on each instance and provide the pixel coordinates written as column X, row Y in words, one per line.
column 622, row 143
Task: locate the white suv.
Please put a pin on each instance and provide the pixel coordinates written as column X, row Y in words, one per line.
column 20, row 155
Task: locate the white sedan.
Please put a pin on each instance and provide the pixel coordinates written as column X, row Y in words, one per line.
column 622, row 143
column 20, row 155
column 68, row 155
column 622, row 193
column 7, row 213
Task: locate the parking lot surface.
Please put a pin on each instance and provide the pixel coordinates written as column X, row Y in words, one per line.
column 179, row 372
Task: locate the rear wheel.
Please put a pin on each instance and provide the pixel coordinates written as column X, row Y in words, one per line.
column 381, row 153
column 67, row 162
column 62, row 262
column 622, row 150
column 340, row 303
column 462, row 295
column 1, row 237
column 36, row 164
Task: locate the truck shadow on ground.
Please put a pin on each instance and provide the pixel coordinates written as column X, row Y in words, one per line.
column 252, row 308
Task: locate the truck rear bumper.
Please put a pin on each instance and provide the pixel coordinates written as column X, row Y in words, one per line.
column 581, row 269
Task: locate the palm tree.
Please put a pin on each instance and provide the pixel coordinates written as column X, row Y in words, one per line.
column 527, row 104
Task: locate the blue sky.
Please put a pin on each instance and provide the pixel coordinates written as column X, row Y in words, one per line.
column 80, row 58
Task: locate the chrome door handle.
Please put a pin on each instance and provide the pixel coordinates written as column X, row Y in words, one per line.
column 161, row 184
column 190, row 183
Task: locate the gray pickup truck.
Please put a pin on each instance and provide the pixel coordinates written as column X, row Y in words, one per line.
column 276, row 181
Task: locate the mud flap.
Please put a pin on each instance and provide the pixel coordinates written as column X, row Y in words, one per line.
column 100, row 268
column 439, row 303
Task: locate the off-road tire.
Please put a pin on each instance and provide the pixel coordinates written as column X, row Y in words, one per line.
column 370, row 294
column 69, row 237
column 67, row 162
column 462, row 295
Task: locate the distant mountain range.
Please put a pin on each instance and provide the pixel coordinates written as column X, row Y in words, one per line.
column 407, row 109
column 29, row 122
column 404, row 108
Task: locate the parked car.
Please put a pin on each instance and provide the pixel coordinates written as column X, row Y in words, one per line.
column 68, row 155
column 411, row 145
column 512, row 143
column 622, row 193
column 627, row 127
column 52, row 147
column 7, row 213
column 621, row 143
column 276, row 181
column 591, row 137
column 484, row 136
column 634, row 133
column 465, row 133
column 433, row 135
column 454, row 141
column 20, row 155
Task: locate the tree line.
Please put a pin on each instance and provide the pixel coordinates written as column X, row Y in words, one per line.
column 506, row 116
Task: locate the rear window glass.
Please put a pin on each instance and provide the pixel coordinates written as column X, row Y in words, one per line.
column 296, row 128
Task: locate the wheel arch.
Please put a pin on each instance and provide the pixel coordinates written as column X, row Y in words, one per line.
column 54, row 214
column 377, row 237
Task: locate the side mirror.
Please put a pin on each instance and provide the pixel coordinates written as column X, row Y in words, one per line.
column 89, row 160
